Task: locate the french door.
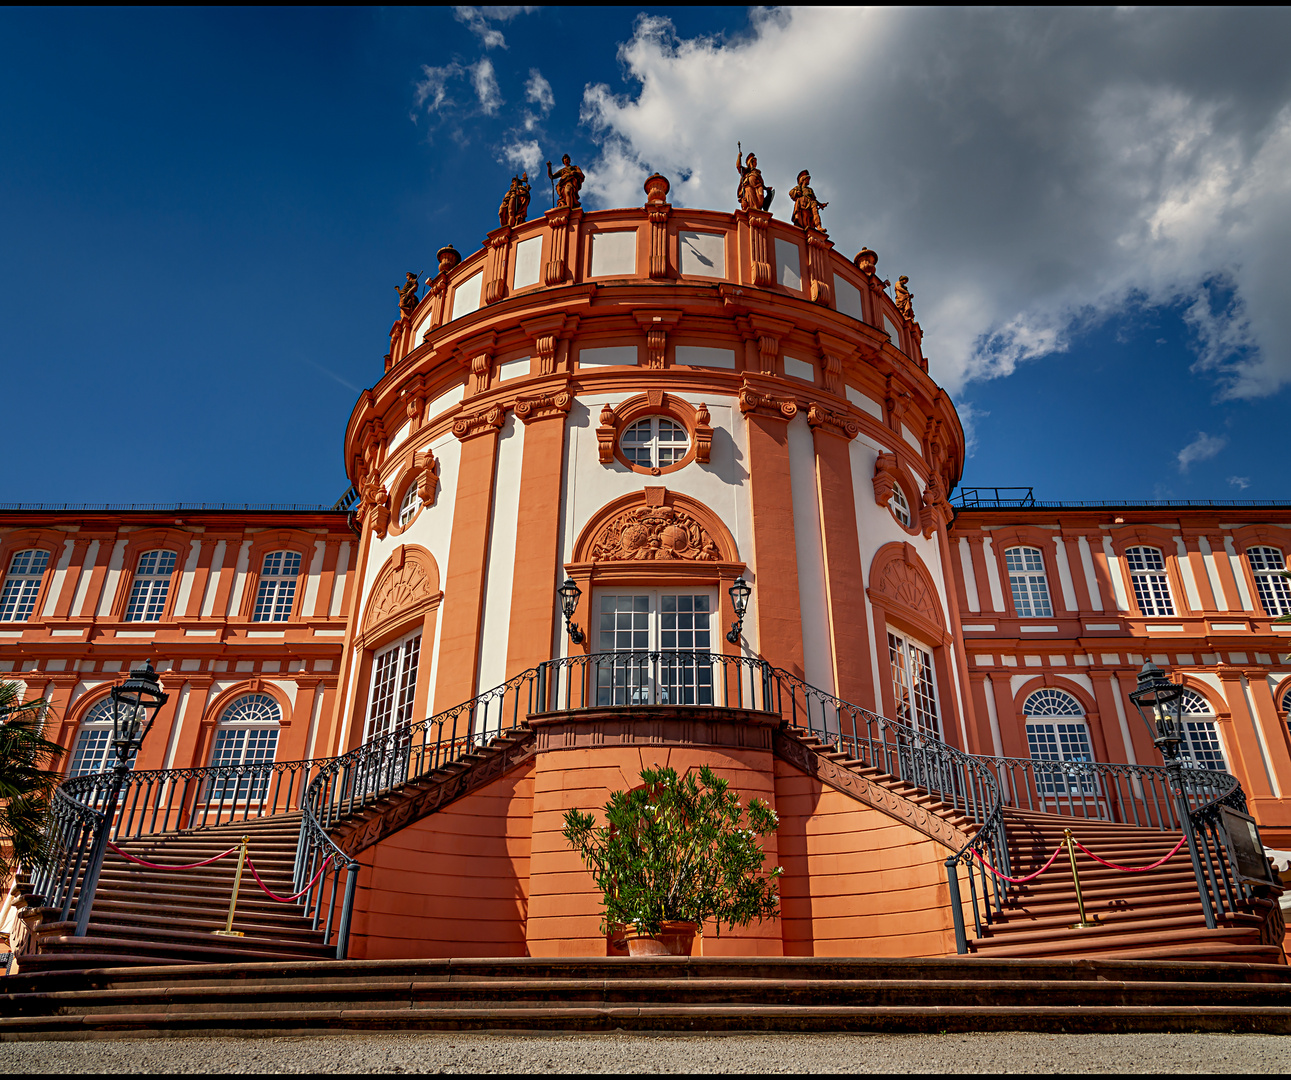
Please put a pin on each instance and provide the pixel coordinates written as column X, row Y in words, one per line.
column 653, row 646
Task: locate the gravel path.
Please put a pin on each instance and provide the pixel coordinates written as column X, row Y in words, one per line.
column 488, row 1053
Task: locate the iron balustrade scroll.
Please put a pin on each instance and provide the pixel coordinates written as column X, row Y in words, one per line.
column 150, row 803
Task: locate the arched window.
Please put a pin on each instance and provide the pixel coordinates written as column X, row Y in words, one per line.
column 151, row 586
column 247, row 735
column 1151, row 586
column 1268, row 566
column 1057, row 731
column 22, row 584
column 93, row 750
column 1286, row 703
column 1028, row 583
column 914, row 684
column 277, row 587
column 654, row 442
column 409, row 506
column 900, row 506
column 1200, row 737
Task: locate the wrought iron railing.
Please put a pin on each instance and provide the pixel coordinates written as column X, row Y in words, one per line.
column 976, row 789
column 149, row 803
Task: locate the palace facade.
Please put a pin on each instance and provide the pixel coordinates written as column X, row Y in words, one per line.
column 655, row 402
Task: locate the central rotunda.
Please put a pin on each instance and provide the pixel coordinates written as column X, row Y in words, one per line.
column 651, row 403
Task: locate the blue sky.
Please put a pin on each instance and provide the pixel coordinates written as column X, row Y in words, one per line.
column 206, row 214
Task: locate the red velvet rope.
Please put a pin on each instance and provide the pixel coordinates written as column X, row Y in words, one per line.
column 1018, row 880
column 1132, row 869
column 172, row 866
column 286, row 899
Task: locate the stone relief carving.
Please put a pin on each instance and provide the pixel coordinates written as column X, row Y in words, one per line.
column 401, row 589
column 653, row 533
column 903, row 585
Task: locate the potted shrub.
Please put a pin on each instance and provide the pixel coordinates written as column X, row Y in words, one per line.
column 675, row 854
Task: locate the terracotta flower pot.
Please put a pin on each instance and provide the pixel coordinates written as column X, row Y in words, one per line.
column 675, row 939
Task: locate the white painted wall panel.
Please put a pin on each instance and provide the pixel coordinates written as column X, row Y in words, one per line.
column 308, row 605
column 338, row 579
column 445, row 401
column 703, row 356
column 702, row 254
column 970, row 578
column 1064, row 573
column 993, row 575
column 240, row 578
column 500, row 570
column 213, row 578
column 1114, row 572
column 60, row 578
column 186, row 578
column 788, row 264
column 466, row 295
column 795, row 368
column 848, row 298
column 865, row 403
column 528, row 263
column 614, row 254
column 112, row 579
column 611, row 356
column 817, row 647
column 1186, row 574
column 1091, row 578
column 83, row 586
column 398, row 437
column 514, row 369
column 1239, row 574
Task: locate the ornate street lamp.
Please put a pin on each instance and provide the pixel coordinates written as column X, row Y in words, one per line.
column 1160, row 705
column 134, row 707
column 740, row 593
column 569, row 594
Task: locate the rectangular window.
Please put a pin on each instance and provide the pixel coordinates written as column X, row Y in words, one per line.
column 1201, row 744
column 1151, row 586
column 277, row 587
column 1267, row 566
column 394, row 687
column 1028, row 583
column 22, row 585
column 151, row 586
column 914, row 684
column 662, row 631
column 91, row 754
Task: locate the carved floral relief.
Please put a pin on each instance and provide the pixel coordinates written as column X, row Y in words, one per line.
column 654, row 533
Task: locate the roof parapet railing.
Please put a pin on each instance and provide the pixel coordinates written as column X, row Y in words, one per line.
column 994, row 496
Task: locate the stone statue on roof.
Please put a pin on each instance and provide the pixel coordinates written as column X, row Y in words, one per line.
column 407, row 295
column 568, row 180
column 752, row 193
column 806, row 207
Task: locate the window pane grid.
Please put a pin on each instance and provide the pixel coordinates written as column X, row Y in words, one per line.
column 1151, row 589
column 93, row 752
column 900, row 506
column 1267, row 565
column 151, row 586
column 1028, row 583
column 394, row 687
column 22, row 585
column 409, row 506
column 654, row 442
column 1060, row 741
column 913, row 685
column 277, row 587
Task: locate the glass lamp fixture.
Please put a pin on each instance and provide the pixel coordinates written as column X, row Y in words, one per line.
column 134, row 708
column 569, row 594
column 740, row 593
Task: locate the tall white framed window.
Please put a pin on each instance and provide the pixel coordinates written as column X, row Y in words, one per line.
column 1267, row 565
column 92, row 752
column 277, row 590
column 680, row 625
column 409, row 505
column 914, row 684
column 900, row 506
column 151, row 586
column 394, row 686
column 1151, row 585
column 22, row 584
column 1028, row 583
column 246, row 736
column 654, row 442
column 1201, row 743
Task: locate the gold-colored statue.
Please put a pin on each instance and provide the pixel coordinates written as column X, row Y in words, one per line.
column 568, row 180
column 752, row 193
column 904, row 298
column 806, row 207
column 407, row 295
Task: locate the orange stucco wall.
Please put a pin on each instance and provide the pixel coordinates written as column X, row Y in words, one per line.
column 455, row 883
column 856, row 881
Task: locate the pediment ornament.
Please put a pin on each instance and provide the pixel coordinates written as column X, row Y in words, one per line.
column 654, row 533
column 401, row 589
column 907, row 589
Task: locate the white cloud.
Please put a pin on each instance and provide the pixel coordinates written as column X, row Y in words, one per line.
column 432, row 90
column 1202, row 448
column 1033, row 170
column 486, row 86
column 525, row 154
column 479, row 21
column 537, row 91
column 1240, row 482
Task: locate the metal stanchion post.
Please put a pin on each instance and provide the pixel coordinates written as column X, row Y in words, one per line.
column 1084, row 923
column 228, row 930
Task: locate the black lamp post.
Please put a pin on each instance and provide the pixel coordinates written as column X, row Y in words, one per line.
column 134, row 707
column 569, row 593
column 740, row 593
column 1160, row 706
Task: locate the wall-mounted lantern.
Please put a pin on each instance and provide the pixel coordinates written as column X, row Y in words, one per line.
column 740, row 593
column 569, row 594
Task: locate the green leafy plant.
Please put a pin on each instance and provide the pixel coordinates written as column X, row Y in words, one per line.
column 679, row 850
column 26, row 779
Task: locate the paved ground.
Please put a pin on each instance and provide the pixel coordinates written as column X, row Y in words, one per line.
column 327, row 1054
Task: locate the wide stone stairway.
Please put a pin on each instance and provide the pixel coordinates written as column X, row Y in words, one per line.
column 654, row 994
column 148, row 916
